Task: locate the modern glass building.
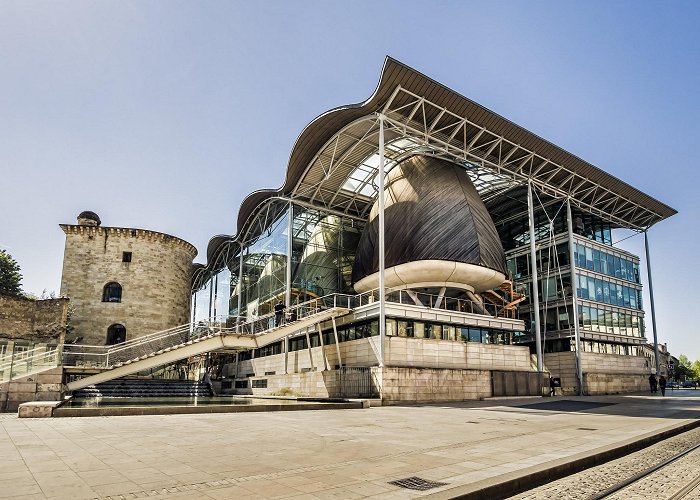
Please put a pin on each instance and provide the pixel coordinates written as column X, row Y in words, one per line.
column 431, row 216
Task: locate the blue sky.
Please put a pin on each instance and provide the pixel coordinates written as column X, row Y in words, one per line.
column 165, row 115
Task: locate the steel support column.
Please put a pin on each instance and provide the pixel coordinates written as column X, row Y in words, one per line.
column 290, row 242
column 240, row 285
column 337, row 346
column 574, row 297
column 382, row 298
column 651, row 302
column 533, row 274
column 311, row 356
column 323, row 347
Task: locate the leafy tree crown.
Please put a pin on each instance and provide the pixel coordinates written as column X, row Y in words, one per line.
column 10, row 276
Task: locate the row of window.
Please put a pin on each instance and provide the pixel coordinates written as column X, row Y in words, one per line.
column 614, row 294
column 566, row 345
column 399, row 328
column 606, row 321
column 589, row 318
column 548, row 258
column 586, row 257
column 596, row 260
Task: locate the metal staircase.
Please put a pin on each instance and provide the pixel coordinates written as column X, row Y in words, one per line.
column 185, row 341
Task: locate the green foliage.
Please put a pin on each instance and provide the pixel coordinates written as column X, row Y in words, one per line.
column 696, row 370
column 683, row 370
column 10, row 277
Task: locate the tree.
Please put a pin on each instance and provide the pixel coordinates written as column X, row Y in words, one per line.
column 10, row 277
column 696, row 370
column 683, row 370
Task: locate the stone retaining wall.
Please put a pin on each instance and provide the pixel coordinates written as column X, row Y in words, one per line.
column 43, row 386
column 33, row 320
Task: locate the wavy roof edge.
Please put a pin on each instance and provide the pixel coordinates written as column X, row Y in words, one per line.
column 322, row 128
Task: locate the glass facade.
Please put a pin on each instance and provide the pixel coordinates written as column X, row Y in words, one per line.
column 608, row 292
column 608, row 285
column 599, row 261
column 252, row 277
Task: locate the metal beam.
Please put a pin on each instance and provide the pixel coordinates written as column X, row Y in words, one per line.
column 651, row 301
column 574, row 298
column 382, row 298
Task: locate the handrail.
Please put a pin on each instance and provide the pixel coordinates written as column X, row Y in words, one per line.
column 27, row 362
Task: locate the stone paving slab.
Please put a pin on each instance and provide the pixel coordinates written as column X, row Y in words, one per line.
column 319, row 454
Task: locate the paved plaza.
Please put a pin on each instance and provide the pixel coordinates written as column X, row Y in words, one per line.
column 323, row 454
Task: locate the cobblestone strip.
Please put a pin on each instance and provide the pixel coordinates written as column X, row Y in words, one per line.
column 665, row 483
column 597, row 479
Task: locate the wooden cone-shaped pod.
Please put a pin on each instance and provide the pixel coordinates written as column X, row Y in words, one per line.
column 437, row 232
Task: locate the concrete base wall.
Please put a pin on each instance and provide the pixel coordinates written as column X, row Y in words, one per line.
column 400, row 351
column 43, row 386
column 602, row 373
column 614, row 383
column 422, row 385
column 398, row 385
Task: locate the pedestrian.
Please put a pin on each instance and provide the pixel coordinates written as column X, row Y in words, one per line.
column 662, row 385
column 552, row 387
column 279, row 312
column 652, row 383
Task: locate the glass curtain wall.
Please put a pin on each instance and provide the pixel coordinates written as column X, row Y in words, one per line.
column 323, row 251
column 263, row 280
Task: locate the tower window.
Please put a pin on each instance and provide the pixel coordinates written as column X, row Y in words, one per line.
column 126, row 256
column 112, row 292
column 116, row 334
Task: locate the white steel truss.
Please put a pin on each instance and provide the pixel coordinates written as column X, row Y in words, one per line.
column 342, row 178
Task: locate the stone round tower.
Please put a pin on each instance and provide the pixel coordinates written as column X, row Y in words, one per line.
column 123, row 283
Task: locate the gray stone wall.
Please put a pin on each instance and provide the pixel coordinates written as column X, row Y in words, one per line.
column 155, row 284
column 602, row 373
column 44, row 386
column 33, row 320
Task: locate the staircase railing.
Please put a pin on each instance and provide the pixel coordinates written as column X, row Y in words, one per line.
column 88, row 356
column 147, row 345
column 24, row 363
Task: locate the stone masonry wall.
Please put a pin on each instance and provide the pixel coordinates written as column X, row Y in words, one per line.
column 422, row 385
column 400, row 352
column 155, row 284
column 33, row 320
column 44, row 386
column 418, row 370
column 602, row 373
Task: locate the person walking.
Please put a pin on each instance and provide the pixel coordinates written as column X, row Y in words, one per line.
column 662, row 385
column 279, row 312
column 652, row 383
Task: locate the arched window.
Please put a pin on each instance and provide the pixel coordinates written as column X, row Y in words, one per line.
column 112, row 292
column 116, row 334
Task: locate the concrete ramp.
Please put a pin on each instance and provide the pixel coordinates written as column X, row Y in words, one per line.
column 222, row 339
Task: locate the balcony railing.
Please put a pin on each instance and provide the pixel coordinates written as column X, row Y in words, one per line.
column 23, row 363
